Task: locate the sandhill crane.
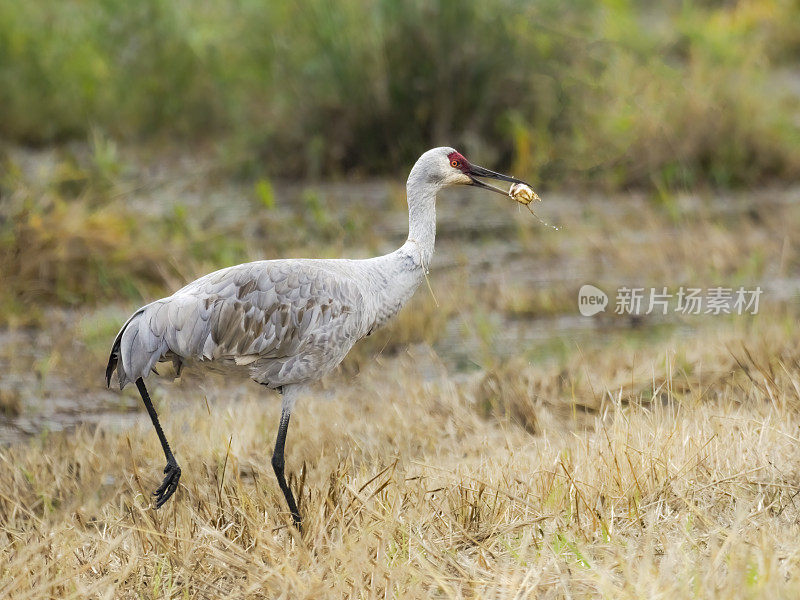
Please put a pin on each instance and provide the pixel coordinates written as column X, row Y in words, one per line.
column 286, row 323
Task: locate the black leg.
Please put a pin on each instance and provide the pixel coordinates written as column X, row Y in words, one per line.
column 172, row 470
column 277, row 465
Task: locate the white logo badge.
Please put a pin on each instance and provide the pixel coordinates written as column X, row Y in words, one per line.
column 591, row 300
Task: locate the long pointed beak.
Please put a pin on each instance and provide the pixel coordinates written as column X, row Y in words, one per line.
column 475, row 171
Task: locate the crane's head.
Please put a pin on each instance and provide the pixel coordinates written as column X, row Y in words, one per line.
column 446, row 166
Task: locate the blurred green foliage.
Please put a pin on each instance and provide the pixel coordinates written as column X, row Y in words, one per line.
column 611, row 93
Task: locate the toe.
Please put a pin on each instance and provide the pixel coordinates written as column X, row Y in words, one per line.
column 168, row 486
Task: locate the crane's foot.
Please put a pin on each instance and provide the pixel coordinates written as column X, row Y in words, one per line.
column 169, row 485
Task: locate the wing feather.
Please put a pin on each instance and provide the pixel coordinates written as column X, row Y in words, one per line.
column 268, row 309
column 246, row 313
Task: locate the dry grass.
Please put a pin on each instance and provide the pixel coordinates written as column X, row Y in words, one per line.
column 10, row 402
column 642, row 464
column 667, row 472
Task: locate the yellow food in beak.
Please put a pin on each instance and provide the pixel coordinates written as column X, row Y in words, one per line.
column 523, row 194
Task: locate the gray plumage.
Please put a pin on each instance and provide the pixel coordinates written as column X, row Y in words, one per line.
column 277, row 321
column 286, row 323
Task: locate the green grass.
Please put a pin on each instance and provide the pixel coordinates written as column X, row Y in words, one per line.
column 613, row 94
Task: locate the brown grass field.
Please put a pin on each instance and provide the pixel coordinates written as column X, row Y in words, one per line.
column 668, row 484
column 626, row 459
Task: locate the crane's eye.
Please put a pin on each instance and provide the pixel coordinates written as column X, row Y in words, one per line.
column 456, row 164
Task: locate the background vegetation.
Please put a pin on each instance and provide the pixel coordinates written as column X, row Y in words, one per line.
column 611, row 93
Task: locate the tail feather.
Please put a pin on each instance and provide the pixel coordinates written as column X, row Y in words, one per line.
column 112, row 362
column 114, row 357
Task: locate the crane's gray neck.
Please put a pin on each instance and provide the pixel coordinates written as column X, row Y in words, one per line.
column 394, row 277
column 421, row 191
